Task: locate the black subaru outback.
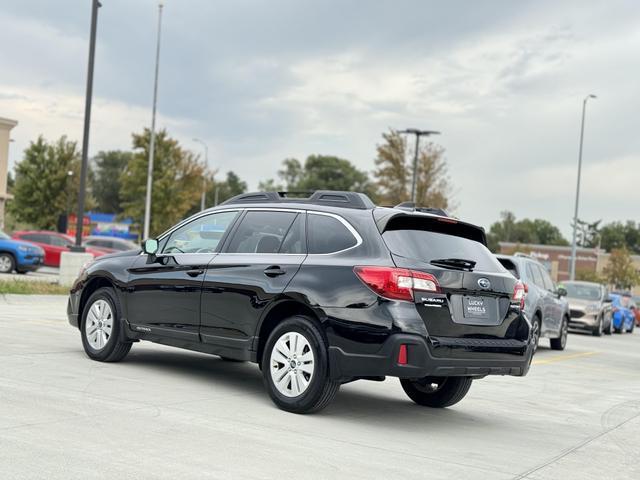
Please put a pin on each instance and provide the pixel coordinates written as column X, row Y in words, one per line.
column 318, row 291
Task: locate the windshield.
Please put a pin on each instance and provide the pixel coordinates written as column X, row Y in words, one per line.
column 4, row 236
column 428, row 246
column 583, row 292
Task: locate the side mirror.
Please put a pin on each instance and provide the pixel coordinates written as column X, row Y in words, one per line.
column 561, row 292
column 150, row 246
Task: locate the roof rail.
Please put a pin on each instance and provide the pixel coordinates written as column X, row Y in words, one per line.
column 411, row 206
column 522, row 254
column 319, row 197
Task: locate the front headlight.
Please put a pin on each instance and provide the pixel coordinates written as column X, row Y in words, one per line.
column 23, row 249
column 592, row 308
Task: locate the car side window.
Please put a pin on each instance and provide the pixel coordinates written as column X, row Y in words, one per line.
column 546, row 279
column 327, row 234
column 57, row 241
column 201, row 235
column 294, row 241
column 534, row 274
column 261, row 232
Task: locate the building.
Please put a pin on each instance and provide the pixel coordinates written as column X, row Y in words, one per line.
column 557, row 258
column 5, row 128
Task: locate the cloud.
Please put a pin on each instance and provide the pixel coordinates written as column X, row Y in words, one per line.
column 262, row 81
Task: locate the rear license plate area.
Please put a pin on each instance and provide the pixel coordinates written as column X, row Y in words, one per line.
column 475, row 307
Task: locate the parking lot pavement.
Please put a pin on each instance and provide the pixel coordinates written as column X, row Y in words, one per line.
column 168, row 413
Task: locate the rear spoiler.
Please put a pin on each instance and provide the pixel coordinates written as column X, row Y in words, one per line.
column 395, row 219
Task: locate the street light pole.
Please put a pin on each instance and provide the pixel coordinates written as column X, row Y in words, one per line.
column 95, row 4
column 418, row 134
column 152, row 141
column 574, row 246
column 204, row 173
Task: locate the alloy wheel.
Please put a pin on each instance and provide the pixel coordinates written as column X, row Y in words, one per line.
column 292, row 364
column 535, row 335
column 99, row 324
column 565, row 333
column 5, row 264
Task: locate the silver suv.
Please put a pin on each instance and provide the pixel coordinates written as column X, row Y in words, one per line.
column 545, row 305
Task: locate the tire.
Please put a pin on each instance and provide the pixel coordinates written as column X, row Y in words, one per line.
column 536, row 328
column 561, row 342
column 436, row 392
column 633, row 326
column 609, row 329
column 106, row 345
column 296, row 354
column 7, row 263
column 598, row 329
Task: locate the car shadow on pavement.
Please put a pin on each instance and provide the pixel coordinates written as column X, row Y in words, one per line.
column 389, row 409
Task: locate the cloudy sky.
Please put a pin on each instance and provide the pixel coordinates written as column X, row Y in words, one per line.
column 260, row 81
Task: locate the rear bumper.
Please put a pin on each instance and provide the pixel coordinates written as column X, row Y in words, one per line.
column 494, row 357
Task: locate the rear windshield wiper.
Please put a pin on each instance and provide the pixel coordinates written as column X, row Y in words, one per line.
column 457, row 263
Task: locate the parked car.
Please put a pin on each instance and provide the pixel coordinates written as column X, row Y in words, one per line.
column 53, row 244
column 624, row 319
column 545, row 305
column 109, row 244
column 590, row 307
column 318, row 291
column 636, row 311
column 17, row 255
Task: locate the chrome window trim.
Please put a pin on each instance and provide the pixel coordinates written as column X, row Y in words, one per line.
column 347, row 225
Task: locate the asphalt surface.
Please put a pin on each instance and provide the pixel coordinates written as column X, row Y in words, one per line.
column 168, row 413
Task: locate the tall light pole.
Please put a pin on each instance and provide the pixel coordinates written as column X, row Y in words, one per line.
column 204, row 173
column 152, row 141
column 95, row 4
column 574, row 246
column 418, row 134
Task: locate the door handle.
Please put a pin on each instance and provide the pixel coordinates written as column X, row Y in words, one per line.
column 195, row 272
column 274, row 271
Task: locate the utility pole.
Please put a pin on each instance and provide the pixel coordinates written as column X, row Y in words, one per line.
column 152, row 141
column 87, row 123
column 204, row 173
column 418, row 133
column 574, row 246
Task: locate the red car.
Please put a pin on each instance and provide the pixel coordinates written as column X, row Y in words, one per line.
column 53, row 244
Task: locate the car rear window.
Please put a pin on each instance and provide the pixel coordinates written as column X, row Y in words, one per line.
column 510, row 266
column 426, row 246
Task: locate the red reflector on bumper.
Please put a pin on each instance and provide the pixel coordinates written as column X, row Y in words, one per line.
column 402, row 355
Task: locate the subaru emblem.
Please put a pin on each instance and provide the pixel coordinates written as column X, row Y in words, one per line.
column 484, row 283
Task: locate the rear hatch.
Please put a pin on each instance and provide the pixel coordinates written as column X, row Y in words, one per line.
column 474, row 295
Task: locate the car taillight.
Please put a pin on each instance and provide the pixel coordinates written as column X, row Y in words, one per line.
column 519, row 294
column 396, row 283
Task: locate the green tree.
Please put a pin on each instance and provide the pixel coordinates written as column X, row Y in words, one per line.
column 177, row 182
column 42, row 188
column 618, row 235
column 394, row 173
column 10, row 182
column 228, row 188
column 320, row 172
column 621, row 271
column 537, row 231
column 108, row 168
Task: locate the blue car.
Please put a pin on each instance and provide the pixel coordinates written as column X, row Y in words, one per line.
column 18, row 255
column 623, row 318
